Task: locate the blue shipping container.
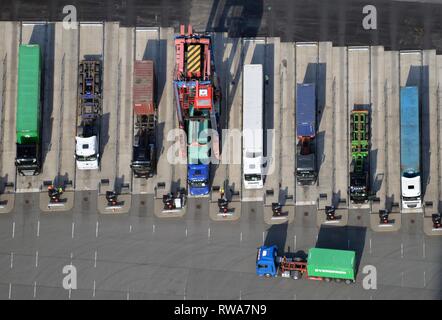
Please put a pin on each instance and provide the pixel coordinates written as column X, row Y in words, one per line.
column 410, row 131
column 305, row 110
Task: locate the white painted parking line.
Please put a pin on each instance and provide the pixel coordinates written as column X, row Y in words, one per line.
column 96, row 230
column 38, row 228
column 95, row 259
column 294, row 242
column 130, row 229
column 10, row 291
column 73, row 229
column 153, row 228
column 240, row 236
column 186, row 232
column 35, row 289
column 402, row 250
column 36, row 259
column 208, row 233
column 12, row 260
column 13, row 229
column 93, row 292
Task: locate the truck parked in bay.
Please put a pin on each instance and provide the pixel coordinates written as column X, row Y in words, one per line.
column 306, row 172
column 87, row 148
column 359, row 188
column 253, row 115
column 144, row 156
column 410, row 148
column 28, row 158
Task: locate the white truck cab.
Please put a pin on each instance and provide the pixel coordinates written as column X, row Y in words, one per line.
column 411, row 192
column 87, row 153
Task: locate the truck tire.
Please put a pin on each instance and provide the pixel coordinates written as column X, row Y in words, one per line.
column 348, row 281
column 297, row 275
column 268, row 275
column 327, row 279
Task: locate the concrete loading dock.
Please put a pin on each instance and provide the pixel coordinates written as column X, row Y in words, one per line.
column 8, row 65
column 344, row 69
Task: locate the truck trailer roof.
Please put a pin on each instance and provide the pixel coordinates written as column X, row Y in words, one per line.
column 410, row 131
column 331, row 263
column 143, row 87
column 253, row 108
column 28, row 93
column 305, row 110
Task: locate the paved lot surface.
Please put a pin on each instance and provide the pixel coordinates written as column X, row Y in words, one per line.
column 139, row 256
column 401, row 24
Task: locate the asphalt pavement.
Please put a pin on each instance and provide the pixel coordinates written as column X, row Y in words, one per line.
column 140, row 256
column 400, row 24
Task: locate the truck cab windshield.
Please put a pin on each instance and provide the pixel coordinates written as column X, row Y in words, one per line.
column 252, row 177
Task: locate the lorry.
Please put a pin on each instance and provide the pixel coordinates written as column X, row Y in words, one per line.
column 410, row 148
column 89, row 112
column 306, row 132
column 252, row 124
column 198, row 157
column 359, row 187
column 321, row 264
column 197, row 97
column 28, row 122
column 144, row 158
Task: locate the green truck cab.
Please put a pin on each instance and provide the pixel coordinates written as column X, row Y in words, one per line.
column 28, row 116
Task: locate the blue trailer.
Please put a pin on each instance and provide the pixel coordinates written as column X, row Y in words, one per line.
column 305, row 132
column 305, row 110
column 410, row 147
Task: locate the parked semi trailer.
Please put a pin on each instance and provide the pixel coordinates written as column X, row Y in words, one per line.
column 144, row 159
column 87, row 149
column 252, row 146
column 410, row 148
column 28, row 123
column 360, row 147
column 321, row 264
column 198, row 157
column 197, row 98
column 306, row 133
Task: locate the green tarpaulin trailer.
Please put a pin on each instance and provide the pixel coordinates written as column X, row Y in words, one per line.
column 28, row 94
column 330, row 263
column 28, row 116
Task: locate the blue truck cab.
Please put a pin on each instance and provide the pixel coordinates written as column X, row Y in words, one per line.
column 198, row 168
column 266, row 261
column 198, row 179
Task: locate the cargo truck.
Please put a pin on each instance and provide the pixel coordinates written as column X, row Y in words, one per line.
column 359, row 187
column 198, row 157
column 144, row 159
column 306, row 133
column 28, row 123
column 197, row 97
column 410, row 148
column 321, row 264
column 87, row 149
column 252, row 124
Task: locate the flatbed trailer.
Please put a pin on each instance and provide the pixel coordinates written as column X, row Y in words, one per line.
column 359, row 187
column 89, row 115
column 321, row 264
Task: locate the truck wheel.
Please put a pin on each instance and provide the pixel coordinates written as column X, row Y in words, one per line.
column 348, row 281
column 337, row 280
column 297, row 275
column 327, row 279
column 267, row 275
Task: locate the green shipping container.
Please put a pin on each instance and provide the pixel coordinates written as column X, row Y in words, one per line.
column 330, row 263
column 28, row 94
